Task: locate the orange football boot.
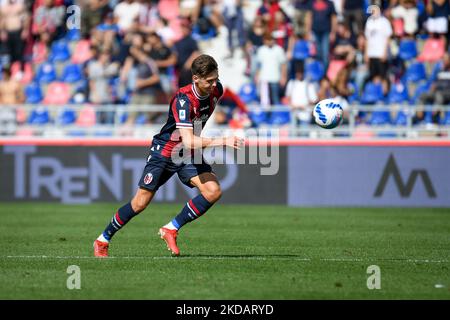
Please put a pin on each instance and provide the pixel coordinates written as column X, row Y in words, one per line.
column 101, row 249
column 170, row 237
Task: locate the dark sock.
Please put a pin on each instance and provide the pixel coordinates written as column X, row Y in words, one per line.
column 193, row 209
column 122, row 216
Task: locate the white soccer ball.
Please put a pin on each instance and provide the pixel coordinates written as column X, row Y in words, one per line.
column 328, row 114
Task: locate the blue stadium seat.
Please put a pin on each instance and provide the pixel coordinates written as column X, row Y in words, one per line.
column 60, row 51
column 314, row 70
column 373, row 93
column 398, row 93
column 421, row 7
column 354, row 97
column 198, row 36
column 400, row 119
column 301, row 50
column 421, row 89
column 39, row 115
column 73, row 35
column 428, row 117
column 258, row 117
column 436, row 69
column 141, row 119
column 380, row 118
column 446, row 119
column 67, row 116
column 408, row 49
column 46, row 73
column 416, row 72
column 72, row 73
column 248, row 93
column 279, row 117
column 123, row 117
column 33, row 93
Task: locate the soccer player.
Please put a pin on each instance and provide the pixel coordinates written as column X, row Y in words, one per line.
column 189, row 109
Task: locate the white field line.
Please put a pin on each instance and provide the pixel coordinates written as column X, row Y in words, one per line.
column 263, row 258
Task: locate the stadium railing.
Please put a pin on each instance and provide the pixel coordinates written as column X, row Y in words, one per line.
column 360, row 121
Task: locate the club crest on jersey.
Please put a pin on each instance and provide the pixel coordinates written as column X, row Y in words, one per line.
column 182, row 114
column 148, row 178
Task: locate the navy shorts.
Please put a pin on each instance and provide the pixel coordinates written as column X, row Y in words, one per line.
column 159, row 169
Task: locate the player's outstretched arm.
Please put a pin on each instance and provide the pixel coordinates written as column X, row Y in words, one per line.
column 191, row 141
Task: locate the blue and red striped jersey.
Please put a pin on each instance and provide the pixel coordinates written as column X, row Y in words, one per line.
column 187, row 109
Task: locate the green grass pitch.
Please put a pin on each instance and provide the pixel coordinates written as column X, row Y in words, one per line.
column 233, row 252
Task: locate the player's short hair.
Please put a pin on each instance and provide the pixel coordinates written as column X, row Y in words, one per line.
column 204, row 65
column 267, row 36
column 6, row 71
column 154, row 34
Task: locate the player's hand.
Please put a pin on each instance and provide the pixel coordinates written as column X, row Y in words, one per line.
column 234, row 142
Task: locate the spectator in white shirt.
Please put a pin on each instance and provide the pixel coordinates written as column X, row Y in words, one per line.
column 127, row 13
column 302, row 95
column 409, row 14
column 378, row 32
column 271, row 75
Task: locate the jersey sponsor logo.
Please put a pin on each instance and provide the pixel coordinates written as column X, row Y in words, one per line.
column 182, row 114
column 148, row 178
column 202, row 118
column 182, row 102
column 204, row 108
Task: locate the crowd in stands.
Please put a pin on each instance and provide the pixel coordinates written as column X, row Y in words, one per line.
column 297, row 52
